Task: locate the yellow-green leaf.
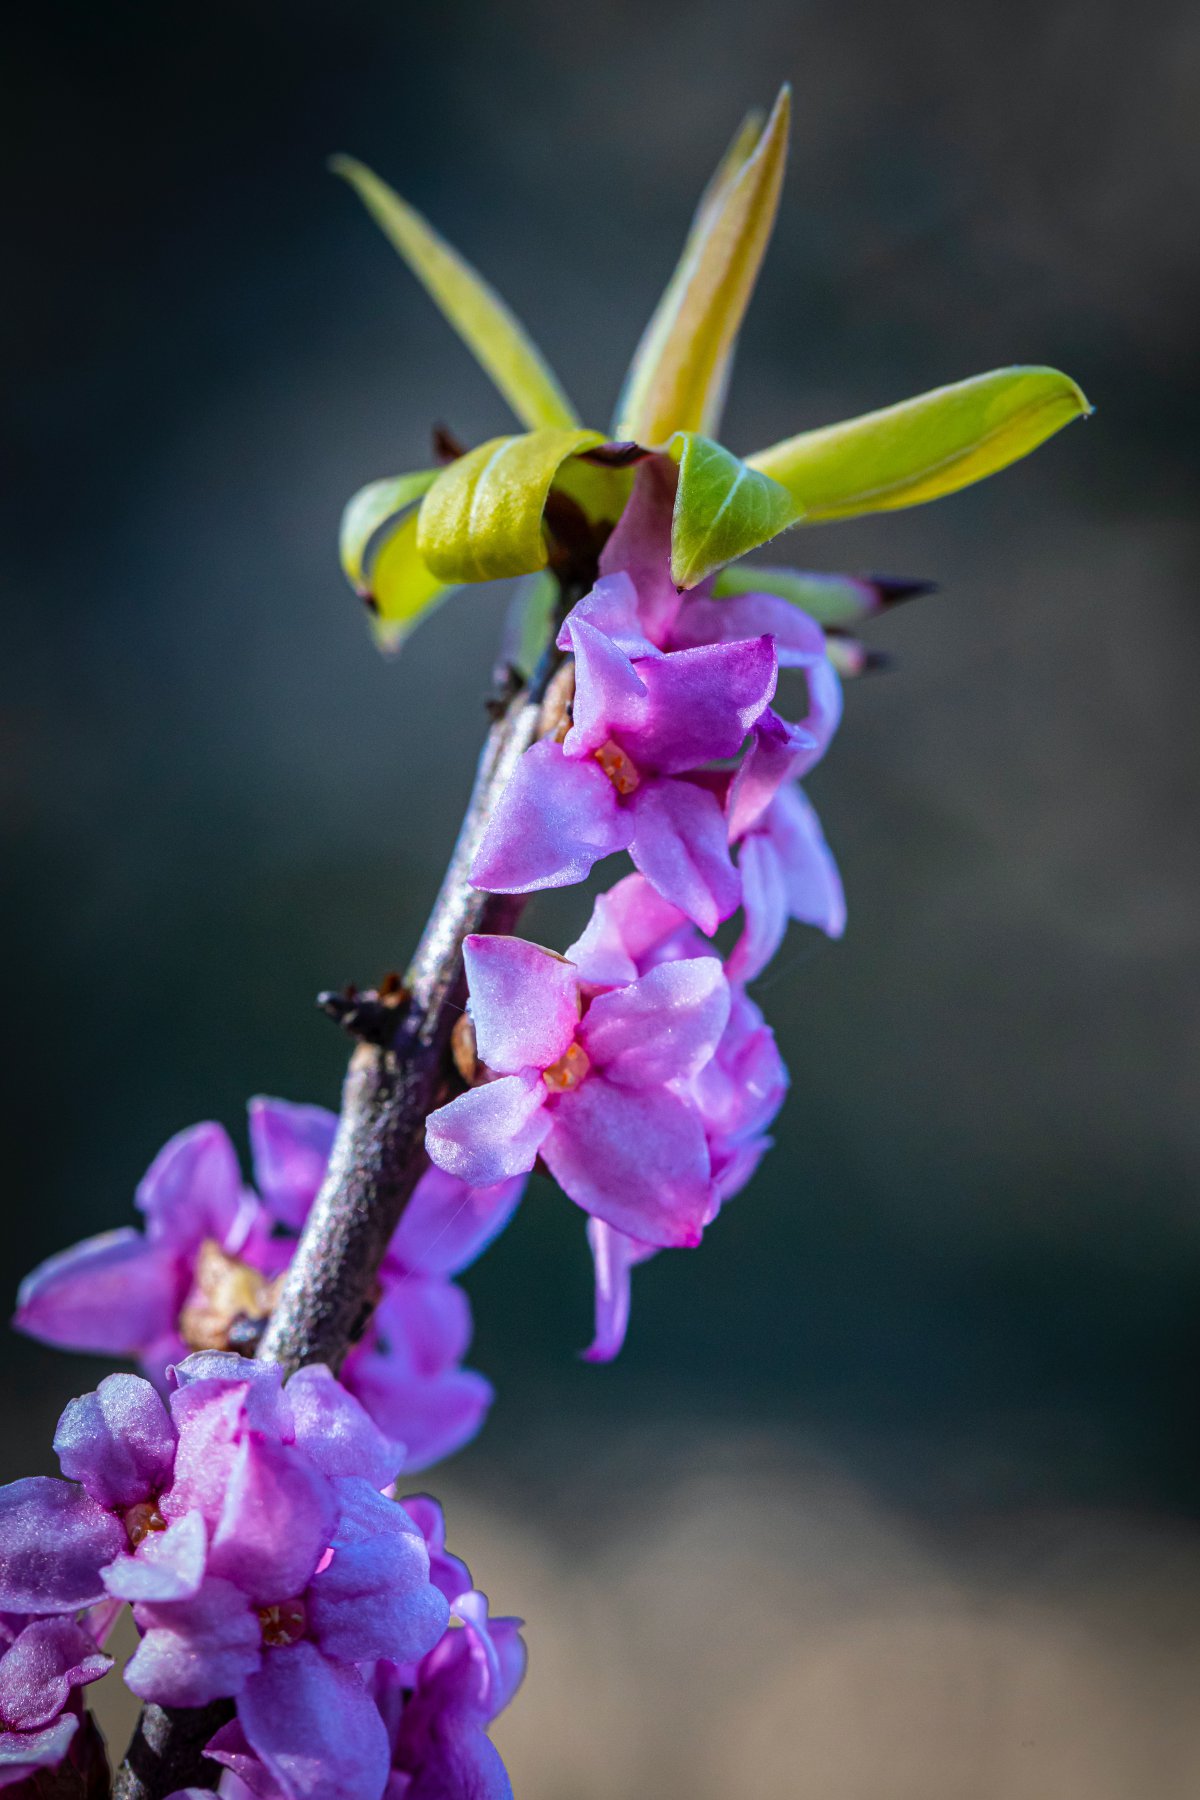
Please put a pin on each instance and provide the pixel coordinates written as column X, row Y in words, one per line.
column 402, row 588
column 723, row 509
column 482, row 518
column 371, row 508
column 678, row 377
column 494, row 335
column 923, row 448
column 838, row 600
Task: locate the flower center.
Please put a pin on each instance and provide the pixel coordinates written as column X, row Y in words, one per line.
column 141, row 1520
column 229, row 1304
column 619, row 767
column 568, row 1071
column 283, row 1623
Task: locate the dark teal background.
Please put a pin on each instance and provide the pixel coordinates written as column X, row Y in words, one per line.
column 970, row 1271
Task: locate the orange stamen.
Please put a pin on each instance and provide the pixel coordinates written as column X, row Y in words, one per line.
column 619, row 768
column 568, row 1071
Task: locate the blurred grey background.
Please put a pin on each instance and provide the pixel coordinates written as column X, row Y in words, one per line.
column 894, row 1490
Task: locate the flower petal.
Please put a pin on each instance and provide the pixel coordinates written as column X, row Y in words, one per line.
column 374, row 1597
column 492, row 1132
column 663, row 1027
column 118, row 1441
column 447, row 1224
column 680, row 845
column 814, row 886
column 614, row 1255
column 275, row 1523
column 53, row 1541
column 290, row 1146
column 799, row 640
column 609, row 692
column 46, row 1661
column 554, row 819
column 22, row 1753
column 637, row 1159
column 627, row 923
column 524, row 1002
column 764, row 908
column 612, row 608
column 192, row 1189
column 168, row 1565
column 699, row 704
column 197, row 1650
column 437, row 1414
column 640, row 546
column 339, row 1437
column 114, row 1294
column 315, row 1727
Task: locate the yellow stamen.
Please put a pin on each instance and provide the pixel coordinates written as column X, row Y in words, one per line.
column 618, row 767
column 283, row 1623
column 568, row 1071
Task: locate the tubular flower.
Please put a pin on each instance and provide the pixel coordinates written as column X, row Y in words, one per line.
column 595, row 1085
column 205, row 1271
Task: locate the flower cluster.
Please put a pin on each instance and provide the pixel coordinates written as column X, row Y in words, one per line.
column 205, row 1271
column 250, row 1528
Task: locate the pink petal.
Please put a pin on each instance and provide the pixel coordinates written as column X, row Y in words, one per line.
column 195, row 1651
column 680, row 845
column 290, row 1146
column 641, row 546
column 192, row 1190
column 339, row 1436
column 447, row 1224
column 374, row 1597
column 114, row 1294
column 635, row 1158
column 699, row 705
column 315, row 1727
column 614, row 1256
column 168, row 1565
column 627, row 923
column 54, row 1540
column 524, row 1003
column 611, row 607
column 799, row 640
column 118, row 1441
column 45, row 1662
column 554, row 819
column 492, row 1132
column 275, row 1522
column 24, row 1753
column 435, row 1415
column 814, row 886
column 663, row 1027
column 777, row 753
column 764, row 905
column 609, row 692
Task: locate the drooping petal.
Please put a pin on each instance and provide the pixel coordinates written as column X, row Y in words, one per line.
column 609, row 693
column 634, row 1157
column 627, row 922
column 663, row 1027
column 290, row 1147
column 554, row 819
column 447, row 1224
column 192, row 1190
column 814, row 887
column 315, row 1727
column 48, row 1659
column 614, row 1255
column 275, row 1523
column 119, row 1442
column 764, row 908
column 54, row 1540
column 680, row 845
column 197, row 1650
column 168, row 1565
column 798, row 639
column 778, row 752
column 524, row 1002
column 699, row 705
column 336, row 1433
column 438, row 1414
column 114, row 1294
column 492, row 1132
column 452, row 1759
column 374, row 1597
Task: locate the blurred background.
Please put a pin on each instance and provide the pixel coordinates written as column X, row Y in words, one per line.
column 894, row 1490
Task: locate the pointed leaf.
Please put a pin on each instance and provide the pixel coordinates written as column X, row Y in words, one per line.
column 923, row 448
column 680, row 368
column 490, row 331
column 482, row 518
column 722, row 509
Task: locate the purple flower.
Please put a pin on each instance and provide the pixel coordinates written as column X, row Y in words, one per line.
column 596, row 1086
column 205, row 1271
column 43, row 1663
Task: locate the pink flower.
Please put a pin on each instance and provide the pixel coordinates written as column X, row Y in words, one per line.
column 596, row 1086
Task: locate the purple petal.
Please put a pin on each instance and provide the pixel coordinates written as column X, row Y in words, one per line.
column 195, row 1651
column 452, row 1758
column 290, row 1147
column 436, row 1415
column 447, row 1224
column 641, row 546
column 734, row 1164
column 663, row 1027
column 212, row 1413
column 492, row 1132
column 554, row 819
column 339, row 1437
column 612, row 608
column 814, row 886
column 799, row 640
column 22, row 1753
column 681, row 847
column 167, row 1565
column 54, row 1540
column 49, row 1658
column 315, row 1727
column 778, row 752
column 699, row 705
column 824, row 709
column 636, row 1158
column 614, row 1255
column 192, row 1190
column 449, row 1573
column 118, row 1441
column 627, row 923
column 764, row 905
column 374, row 1597
column 231, row 1748
column 524, row 1003
column 114, row 1294
column 742, row 1088
column 275, row 1524
column 610, row 694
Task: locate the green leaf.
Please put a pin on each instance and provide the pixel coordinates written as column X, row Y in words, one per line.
column 496, row 338
column 482, row 518
column 371, row 508
column 723, row 508
column 677, row 381
column 384, row 566
column 829, row 599
column 923, row 448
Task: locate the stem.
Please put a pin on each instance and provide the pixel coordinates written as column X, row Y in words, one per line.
column 378, row 1158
